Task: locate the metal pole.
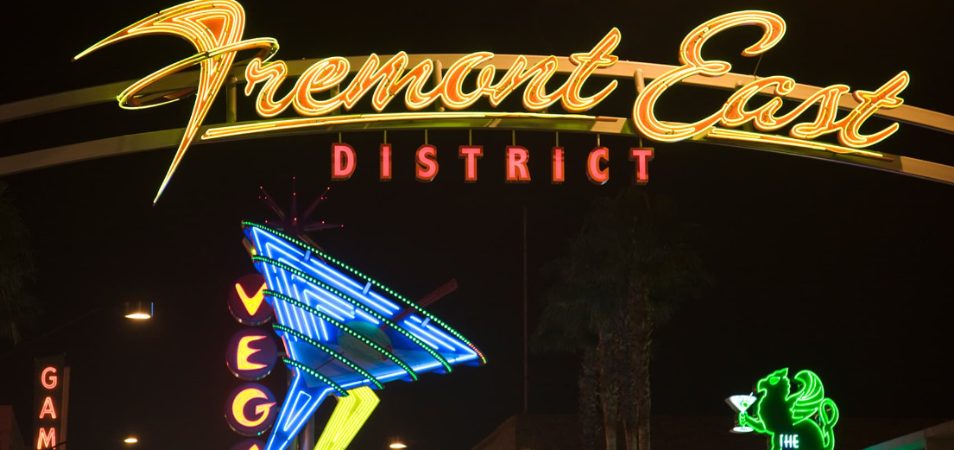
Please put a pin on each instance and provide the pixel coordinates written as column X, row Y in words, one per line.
column 308, row 435
column 231, row 100
column 526, row 385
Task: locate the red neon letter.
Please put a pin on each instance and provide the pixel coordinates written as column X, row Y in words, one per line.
column 557, row 174
column 470, row 154
column 46, row 439
column 48, row 378
column 385, row 162
column 342, row 169
column 594, row 165
column 642, row 156
column 517, row 171
column 47, row 408
column 426, row 163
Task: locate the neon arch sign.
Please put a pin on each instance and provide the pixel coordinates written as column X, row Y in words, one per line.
column 215, row 28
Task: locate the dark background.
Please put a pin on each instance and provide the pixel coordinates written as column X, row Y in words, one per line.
column 838, row 269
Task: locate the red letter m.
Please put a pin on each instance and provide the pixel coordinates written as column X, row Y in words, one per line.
column 46, row 439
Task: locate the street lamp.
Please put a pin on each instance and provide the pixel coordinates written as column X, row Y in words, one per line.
column 397, row 445
column 131, row 440
column 139, row 310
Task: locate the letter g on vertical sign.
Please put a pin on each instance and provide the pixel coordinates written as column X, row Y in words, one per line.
column 250, row 409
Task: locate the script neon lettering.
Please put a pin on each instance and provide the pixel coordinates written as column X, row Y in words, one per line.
column 215, row 29
column 734, row 113
column 320, row 77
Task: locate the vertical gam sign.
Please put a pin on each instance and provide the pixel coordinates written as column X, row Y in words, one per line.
column 51, row 398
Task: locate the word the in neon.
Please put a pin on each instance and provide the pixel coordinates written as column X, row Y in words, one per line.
column 788, row 441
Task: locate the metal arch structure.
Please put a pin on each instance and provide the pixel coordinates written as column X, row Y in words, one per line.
column 580, row 123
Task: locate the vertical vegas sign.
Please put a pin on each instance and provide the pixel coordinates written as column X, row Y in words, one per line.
column 251, row 354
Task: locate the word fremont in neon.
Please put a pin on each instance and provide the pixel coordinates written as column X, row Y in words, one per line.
column 215, row 28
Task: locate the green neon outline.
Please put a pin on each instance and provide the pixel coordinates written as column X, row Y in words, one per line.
column 344, row 328
column 314, row 373
column 806, row 413
column 344, row 360
column 357, row 304
column 408, row 303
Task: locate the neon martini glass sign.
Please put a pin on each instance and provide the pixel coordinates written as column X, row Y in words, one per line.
column 802, row 418
column 741, row 403
column 345, row 335
column 215, row 28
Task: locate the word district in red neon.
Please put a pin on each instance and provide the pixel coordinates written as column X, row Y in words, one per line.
column 344, row 163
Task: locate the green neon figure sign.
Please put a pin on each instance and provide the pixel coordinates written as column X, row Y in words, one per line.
column 804, row 420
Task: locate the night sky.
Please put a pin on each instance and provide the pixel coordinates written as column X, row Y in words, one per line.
column 838, row 269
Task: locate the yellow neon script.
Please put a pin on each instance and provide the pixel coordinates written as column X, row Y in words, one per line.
column 734, row 111
column 215, row 28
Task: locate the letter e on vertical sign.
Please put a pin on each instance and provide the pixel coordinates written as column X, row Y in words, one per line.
column 51, row 399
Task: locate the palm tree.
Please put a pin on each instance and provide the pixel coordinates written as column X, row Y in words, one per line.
column 16, row 269
column 624, row 275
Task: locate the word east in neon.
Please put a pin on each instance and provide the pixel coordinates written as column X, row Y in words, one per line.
column 344, row 163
